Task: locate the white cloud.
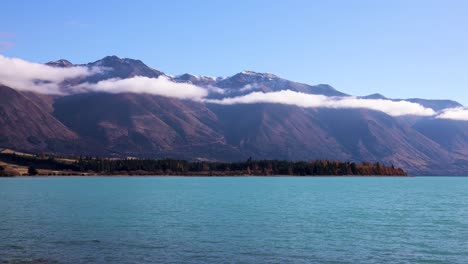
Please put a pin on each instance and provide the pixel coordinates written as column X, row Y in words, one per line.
column 28, row 76
column 248, row 87
column 40, row 78
column 394, row 108
column 457, row 113
column 139, row 84
column 215, row 89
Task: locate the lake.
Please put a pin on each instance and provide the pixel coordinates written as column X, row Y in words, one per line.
column 233, row 220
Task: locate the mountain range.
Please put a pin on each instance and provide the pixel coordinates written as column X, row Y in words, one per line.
column 231, row 118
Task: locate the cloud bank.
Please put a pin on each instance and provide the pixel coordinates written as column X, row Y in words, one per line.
column 36, row 77
column 457, row 113
column 139, row 84
column 40, row 78
column 288, row 97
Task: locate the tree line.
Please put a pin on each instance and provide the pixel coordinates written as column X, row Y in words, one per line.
column 109, row 166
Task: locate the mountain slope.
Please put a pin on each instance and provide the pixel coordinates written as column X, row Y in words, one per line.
column 267, row 131
column 374, row 136
column 26, row 125
column 143, row 125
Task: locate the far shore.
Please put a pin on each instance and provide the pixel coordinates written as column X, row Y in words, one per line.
column 18, row 164
column 209, row 176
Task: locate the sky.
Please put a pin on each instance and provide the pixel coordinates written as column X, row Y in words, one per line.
column 401, row 49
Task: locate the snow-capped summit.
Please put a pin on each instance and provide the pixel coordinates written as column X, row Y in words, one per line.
column 266, row 75
column 60, row 63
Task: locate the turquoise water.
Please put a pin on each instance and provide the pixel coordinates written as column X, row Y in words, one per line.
column 233, row 220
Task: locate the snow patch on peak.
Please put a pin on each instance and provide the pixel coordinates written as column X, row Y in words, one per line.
column 266, row 75
column 60, row 63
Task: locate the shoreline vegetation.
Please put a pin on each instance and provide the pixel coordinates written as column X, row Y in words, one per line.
column 20, row 164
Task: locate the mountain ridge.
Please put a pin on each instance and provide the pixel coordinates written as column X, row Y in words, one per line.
column 139, row 68
column 153, row 126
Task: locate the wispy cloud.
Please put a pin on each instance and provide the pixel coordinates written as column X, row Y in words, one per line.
column 139, row 84
column 5, row 45
column 249, row 87
column 23, row 75
column 288, row 97
column 4, row 34
column 214, row 89
column 457, row 113
column 5, row 41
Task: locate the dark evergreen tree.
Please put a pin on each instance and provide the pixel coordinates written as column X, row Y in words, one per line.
column 32, row 170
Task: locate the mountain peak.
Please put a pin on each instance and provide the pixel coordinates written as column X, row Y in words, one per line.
column 115, row 60
column 187, row 77
column 258, row 74
column 107, row 61
column 191, row 76
column 195, row 79
column 112, row 58
column 374, row 96
column 117, row 67
column 62, row 63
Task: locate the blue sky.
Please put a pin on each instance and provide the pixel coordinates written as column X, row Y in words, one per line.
column 401, row 49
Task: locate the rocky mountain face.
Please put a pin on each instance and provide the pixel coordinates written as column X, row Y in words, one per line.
column 28, row 125
column 115, row 67
column 143, row 125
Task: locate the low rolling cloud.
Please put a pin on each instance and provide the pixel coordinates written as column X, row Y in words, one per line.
column 40, row 78
column 457, row 113
column 214, row 89
column 288, row 97
column 35, row 77
column 249, row 87
column 139, row 84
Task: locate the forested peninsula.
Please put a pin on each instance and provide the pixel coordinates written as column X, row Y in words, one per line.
column 13, row 164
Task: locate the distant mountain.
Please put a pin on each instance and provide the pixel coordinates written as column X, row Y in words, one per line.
column 197, row 80
column 374, row 96
column 248, row 81
column 144, row 125
column 60, row 63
